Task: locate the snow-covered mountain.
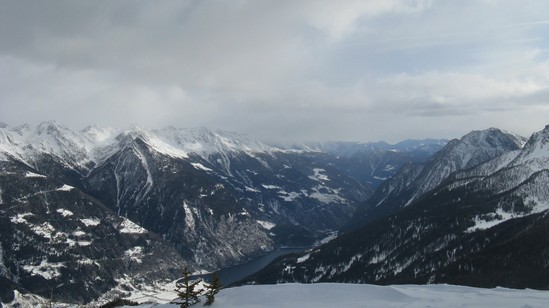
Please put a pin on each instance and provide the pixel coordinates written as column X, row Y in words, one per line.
column 93, row 144
column 415, row 179
column 374, row 162
column 55, row 239
column 109, row 202
column 483, row 226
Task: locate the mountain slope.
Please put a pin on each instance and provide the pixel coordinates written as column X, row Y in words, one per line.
column 277, row 197
column 486, row 226
column 52, row 234
column 374, row 162
column 414, row 180
column 198, row 198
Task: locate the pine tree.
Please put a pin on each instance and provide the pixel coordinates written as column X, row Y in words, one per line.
column 186, row 293
column 212, row 289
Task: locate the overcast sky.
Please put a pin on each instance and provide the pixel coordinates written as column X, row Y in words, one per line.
column 279, row 70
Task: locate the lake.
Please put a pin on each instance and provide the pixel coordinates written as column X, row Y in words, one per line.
column 237, row 272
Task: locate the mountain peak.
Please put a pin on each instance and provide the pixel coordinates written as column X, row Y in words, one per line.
column 493, row 137
column 99, row 135
column 411, row 183
column 479, row 146
column 536, row 148
column 50, row 126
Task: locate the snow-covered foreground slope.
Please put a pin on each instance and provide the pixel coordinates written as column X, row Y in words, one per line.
column 355, row 295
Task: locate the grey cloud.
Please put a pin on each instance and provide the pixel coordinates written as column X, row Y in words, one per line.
column 315, row 70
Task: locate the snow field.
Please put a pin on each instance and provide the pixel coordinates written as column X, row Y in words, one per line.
column 330, row 295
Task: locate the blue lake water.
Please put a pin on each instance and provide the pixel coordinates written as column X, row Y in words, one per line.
column 237, row 272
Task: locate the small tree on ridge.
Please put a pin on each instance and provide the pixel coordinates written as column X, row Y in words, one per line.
column 186, row 293
column 212, row 289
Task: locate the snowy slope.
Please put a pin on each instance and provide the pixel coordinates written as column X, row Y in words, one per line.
column 374, row 162
column 485, row 226
column 348, row 295
column 215, row 198
column 414, row 180
column 93, row 143
column 205, row 142
column 330, row 295
column 518, row 175
column 77, row 150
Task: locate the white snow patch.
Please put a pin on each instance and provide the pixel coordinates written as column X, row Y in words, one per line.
column 79, row 233
column 318, row 176
column 157, row 295
column 27, row 301
column 288, row 196
column 34, row 175
column 270, row 186
column 45, row 230
column 64, row 212
column 493, row 220
column 303, row 258
column 90, row 222
column 330, row 196
column 199, row 166
column 135, row 254
column 266, row 224
column 44, row 269
column 251, row 189
column 86, row 261
column 148, row 185
column 163, row 145
column 354, row 259
column 488, row 221
column 84, row 243
column 68, row 241
column 20, row 218
column 65, row 187
column 380, row 257
column 538, row 206
column 329, row 295
column 328, row 238
column 161, row 292
column 189, row 219
column 128, row 226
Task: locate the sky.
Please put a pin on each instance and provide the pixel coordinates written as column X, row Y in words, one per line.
column 284, row 70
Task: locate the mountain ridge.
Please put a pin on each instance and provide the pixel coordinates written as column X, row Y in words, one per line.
column 206, row 199
column 483, row 226
column 414, row 180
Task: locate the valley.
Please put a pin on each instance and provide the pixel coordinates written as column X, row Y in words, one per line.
column 114, row 201
column 107, row 213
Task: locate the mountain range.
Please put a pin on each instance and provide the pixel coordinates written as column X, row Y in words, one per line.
column 474, row 214
column 100, row 211
column 94, row 214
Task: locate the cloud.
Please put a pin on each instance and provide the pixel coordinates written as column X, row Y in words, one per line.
column 453, row 91
column 277, row 69
column 340, row 19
